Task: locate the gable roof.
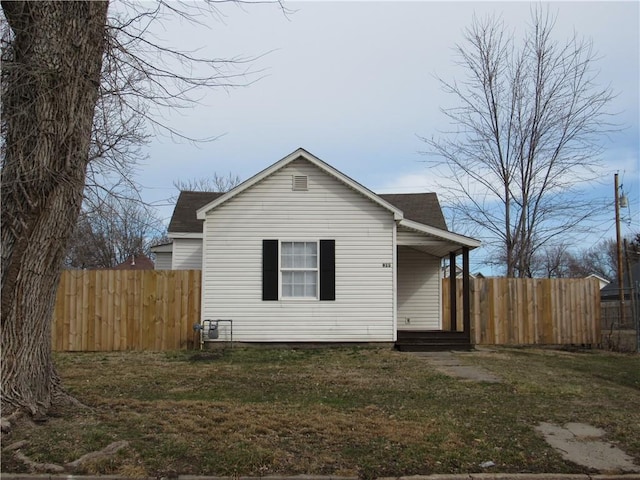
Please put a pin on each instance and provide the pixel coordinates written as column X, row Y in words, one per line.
column 419, row 212
column 420, row 207
column 300, row 153
column 600, row 279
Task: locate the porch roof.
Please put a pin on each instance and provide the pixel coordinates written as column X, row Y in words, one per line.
column 434, row 241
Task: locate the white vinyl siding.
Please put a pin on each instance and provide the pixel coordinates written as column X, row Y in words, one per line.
column 163, row 261
column 187, row 254
column 418, row 290
column 363, row 310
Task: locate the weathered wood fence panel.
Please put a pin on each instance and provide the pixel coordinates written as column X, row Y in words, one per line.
column 108, row 310
column 509, row 311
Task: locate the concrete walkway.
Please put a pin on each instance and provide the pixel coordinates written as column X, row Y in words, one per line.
column 449, row 363
column 578, row 443
column 585, row 445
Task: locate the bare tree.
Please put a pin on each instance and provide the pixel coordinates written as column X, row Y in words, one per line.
column 552, row 262
column 142, row 78
column 529, row 124
column 50, row 77
column 562, row 261
column 111, row 232
column 600, row 259
column 60, row 61
column 217, row 183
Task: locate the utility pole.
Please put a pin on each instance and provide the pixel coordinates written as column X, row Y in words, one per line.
column 619, row 247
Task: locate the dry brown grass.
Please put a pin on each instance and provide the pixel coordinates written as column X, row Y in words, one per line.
column 345, row 411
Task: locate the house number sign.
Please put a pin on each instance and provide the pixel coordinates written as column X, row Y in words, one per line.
column 386, row 265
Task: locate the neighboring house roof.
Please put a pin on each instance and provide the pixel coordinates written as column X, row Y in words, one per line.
column 612, row 291
column 603, row 281
column 459, row 272
column 137, row 262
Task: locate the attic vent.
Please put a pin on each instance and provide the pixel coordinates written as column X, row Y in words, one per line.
column 300, row 182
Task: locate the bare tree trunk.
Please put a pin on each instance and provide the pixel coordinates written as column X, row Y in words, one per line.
column 51, row 75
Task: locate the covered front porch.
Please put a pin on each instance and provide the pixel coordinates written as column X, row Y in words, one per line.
column 420, row 251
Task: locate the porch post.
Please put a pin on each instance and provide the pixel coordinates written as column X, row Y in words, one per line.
column 466, row 293
column 453, row 309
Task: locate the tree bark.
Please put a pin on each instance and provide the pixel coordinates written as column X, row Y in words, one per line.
column 50, row 83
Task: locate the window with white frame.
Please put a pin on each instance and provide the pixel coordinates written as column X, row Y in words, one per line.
column 299, row 269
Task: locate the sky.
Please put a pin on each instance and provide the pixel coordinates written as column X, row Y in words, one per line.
column 355, row 83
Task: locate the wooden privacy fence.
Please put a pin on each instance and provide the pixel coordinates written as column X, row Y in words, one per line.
column 518, row 311
column 108, row 310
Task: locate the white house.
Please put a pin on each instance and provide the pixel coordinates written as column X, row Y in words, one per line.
column 164, row 256
column 302, row 253
column 603, row 282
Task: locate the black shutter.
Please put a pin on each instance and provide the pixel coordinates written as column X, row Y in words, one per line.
column 327, row 269
column 270, row 270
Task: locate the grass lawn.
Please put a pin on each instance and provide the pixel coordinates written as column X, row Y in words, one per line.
column 338, row 411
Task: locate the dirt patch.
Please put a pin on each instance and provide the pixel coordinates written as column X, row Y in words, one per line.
column 620, row 340
column 582, row 444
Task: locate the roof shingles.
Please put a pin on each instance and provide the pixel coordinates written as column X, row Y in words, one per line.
column 419, row 207
column 184, row 218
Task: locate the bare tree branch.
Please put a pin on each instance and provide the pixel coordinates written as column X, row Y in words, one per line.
column 81, row 86
column 110, row 230
column 216, row 183
column 529, row 127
